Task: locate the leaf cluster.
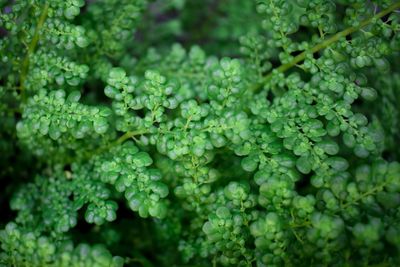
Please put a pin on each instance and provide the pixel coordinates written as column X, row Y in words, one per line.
column 199, row 133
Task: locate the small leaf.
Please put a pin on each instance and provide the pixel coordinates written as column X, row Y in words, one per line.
column 100, row 125
column 304, row 164
column 74, row 96
column 249, row 163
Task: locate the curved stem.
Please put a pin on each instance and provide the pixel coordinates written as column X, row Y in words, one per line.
column 372, row 191
column 128, row 135
column 284, row 67
column 32, row 47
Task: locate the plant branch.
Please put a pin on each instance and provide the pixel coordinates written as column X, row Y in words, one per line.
column 284, row 67
column 128, row 135
column 31, row 48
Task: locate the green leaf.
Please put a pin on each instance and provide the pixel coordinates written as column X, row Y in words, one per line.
column 71, row 12
column 304, row 164
column 330, row 147
column 349, row 140
column 369, row 94
column 249, row 163
column 142, row 159
column 74, row 96
column 100, row 125
column 338, row 163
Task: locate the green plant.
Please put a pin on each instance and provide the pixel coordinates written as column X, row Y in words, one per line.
column 199, row 133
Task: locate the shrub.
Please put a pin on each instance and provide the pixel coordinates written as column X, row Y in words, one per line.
column 199, row 133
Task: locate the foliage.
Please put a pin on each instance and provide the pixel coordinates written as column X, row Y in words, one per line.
column 200, row 133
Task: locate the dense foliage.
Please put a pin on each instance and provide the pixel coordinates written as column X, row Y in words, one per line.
column 199, row 133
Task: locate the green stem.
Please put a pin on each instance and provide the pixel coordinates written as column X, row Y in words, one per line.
column 31, row 48
column 128, row 135
column 364, row 195
column 284, row 67
column 117, row 142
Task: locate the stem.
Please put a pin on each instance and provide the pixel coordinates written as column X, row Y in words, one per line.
column 107, row 147
column 32, row 47
column 364, row 195
column 284, row 67
column 128, row 135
